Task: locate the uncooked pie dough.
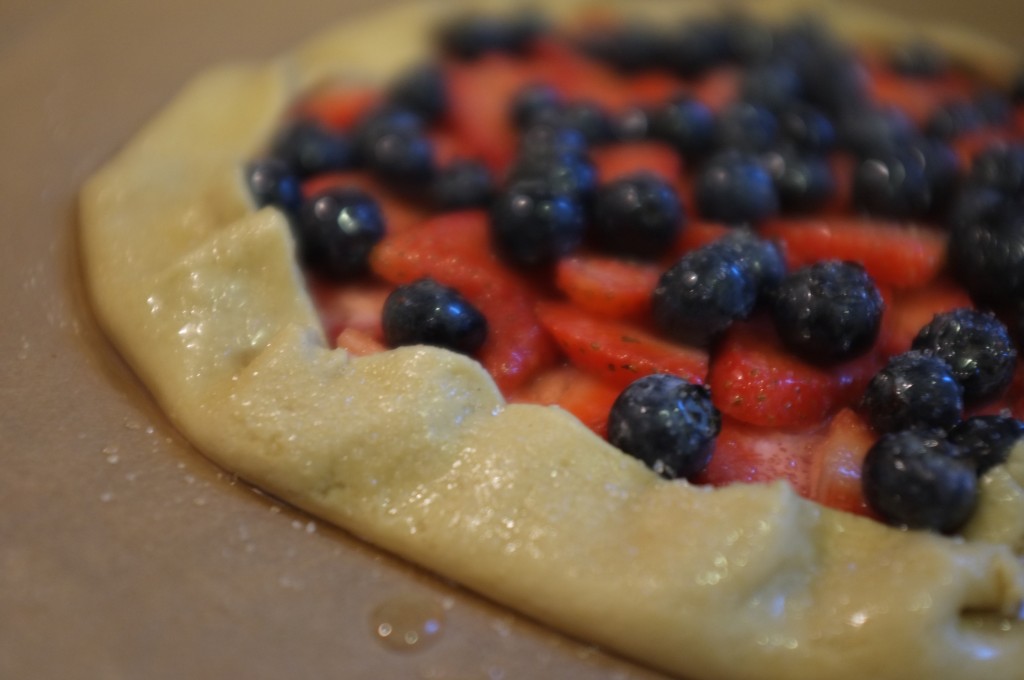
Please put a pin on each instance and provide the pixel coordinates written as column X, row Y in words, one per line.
column 416, row 451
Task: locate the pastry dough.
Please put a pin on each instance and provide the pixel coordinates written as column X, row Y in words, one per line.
column 415, row 450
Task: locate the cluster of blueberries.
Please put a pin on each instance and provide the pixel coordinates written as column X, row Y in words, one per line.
column 802, row 96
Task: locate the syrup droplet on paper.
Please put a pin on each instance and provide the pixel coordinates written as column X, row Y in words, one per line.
column 408, row 622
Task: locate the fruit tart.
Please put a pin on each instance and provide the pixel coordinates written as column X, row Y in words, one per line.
column 691, row 334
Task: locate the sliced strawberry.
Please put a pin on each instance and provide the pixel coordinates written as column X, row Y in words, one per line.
column 895, row 254
column 842, row 165
column 454, row 249
column 356, row 305
column 584, row 395
column 399, row 214
column 607, row 286
column 917, row 97
column 479, row 95
column 579, row 78
column 339, row 106
column 449, row 147
column 748, row 454
column 654, row 87
column 836, row 462
column 719, row 87
column 753, row 378
column 619, row 160
column 697, row 234
column 616, row 351
column 907, row 311
column 968, row 145
column 357, row 343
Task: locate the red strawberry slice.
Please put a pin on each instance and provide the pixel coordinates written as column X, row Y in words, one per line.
column 842, row 165
column 479, row 95
column 836, row 462
column 579, row 78
column 895, row 254
column 753, row 378
column 454, row 249
column 585, row 396
column 357, row 343
column 718, row 88
column 355, row 306
column 697, row 234
column 907, row 311
column 339, row 107
column 619, row 160
column 748, row 454
column 917, row 97
column 655, row 87
column 615, row 351
column 607, row 286
column 399, row 214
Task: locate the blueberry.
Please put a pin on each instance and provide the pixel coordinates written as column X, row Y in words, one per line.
column 986, row 441
column 548, row 138
column 1000, row 167
column 893, row 184
column 702, row 294
column 685, row 123
column 425, row 312
column 919, row 59
column 629, row 48
column 986, row 246
column 639, row 214
column 746, row 127
column 803, row 181
column 832, row 78
column 382, row 121
column 336, row 230
column 807, row 128
column 590, row 119
column 760, row 259
column 272, row 182
column 308, row 148
column 828, row 312
column 735, row 188
column 954, row 118
column 774, row 85
column 533, row 224
column 667, row 423
column 563, row 172
column 941, row 169
column 403, row 160
column 421, row 90
column 392, row 143
column 748, row 40
column 632, row 124
column 463, row 184
column 695, row 47
column 872, row 131
column 971, row 204
column 915, row 479
column 994, row 106
column 535, row 103
column 913, row 391
column 1016, row 93
column 977, row 346
column 470, row 36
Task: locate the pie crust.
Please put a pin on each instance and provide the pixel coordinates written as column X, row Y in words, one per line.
column 416, row 451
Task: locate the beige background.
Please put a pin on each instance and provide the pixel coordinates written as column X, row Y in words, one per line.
column 124, row 553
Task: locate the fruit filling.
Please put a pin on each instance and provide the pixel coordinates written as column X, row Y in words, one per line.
column 740, row 251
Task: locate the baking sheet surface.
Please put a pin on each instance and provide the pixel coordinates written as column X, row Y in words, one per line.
column 123, row 552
